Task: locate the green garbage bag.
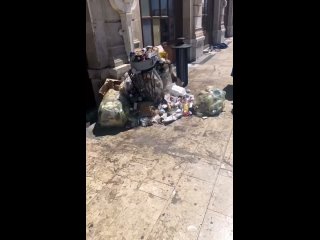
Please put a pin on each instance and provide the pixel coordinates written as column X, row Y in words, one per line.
column 113, row 110
column 210, row 102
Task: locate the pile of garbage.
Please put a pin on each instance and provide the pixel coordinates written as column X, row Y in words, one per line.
column 174, row 104
column 146, row 95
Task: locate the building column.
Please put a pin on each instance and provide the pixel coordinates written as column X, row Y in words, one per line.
column 96, row 42
column 198, row 41
column 124, row 8
column 105, row 44
column 229, row 18
column 192, row 27
column 218, row 29
column 104, row 37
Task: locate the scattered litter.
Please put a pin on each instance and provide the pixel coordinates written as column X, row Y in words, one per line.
column 110, row 84
column 163, row 116
column 146, row 109
column 178, row 115
column 145, row 122
column 186, row 109
column 169, row 119
column 156, row 119
column 220, row 46
column 148, row 94
column 162, row 110
column 175, row 90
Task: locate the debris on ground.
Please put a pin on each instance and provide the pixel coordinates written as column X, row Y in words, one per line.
column 219, row 46
column 110, row 84
column 148, row 94
column 176, row 90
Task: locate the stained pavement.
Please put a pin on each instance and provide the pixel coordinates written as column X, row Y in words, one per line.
column 166, row 182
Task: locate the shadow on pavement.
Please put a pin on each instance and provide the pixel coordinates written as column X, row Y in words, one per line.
column 229, row 92
column 99, row 131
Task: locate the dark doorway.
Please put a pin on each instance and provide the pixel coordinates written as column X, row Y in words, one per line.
column 161, row 22
column 158, row 21
column 205, row 22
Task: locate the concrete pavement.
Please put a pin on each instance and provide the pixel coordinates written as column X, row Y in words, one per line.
column 166, row 182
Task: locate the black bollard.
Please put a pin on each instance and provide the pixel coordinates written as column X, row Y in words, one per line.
column 182, row 60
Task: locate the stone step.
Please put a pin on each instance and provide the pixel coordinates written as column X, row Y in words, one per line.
column 203, row 58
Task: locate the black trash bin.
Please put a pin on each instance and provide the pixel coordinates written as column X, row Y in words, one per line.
column 182, row 60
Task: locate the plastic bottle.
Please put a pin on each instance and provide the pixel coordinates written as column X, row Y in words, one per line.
column 186, row 108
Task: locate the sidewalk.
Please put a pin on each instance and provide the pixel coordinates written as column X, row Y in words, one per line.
column 166, row 182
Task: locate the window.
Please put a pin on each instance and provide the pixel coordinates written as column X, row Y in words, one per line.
column 157, row 20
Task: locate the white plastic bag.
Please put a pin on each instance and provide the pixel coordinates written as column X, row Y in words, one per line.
column 175, row 90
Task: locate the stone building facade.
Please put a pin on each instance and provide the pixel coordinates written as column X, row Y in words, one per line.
column 116, row 27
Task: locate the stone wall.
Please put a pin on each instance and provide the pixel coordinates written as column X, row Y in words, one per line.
column 137, row 31
column 192, row 27
column 106, row 42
